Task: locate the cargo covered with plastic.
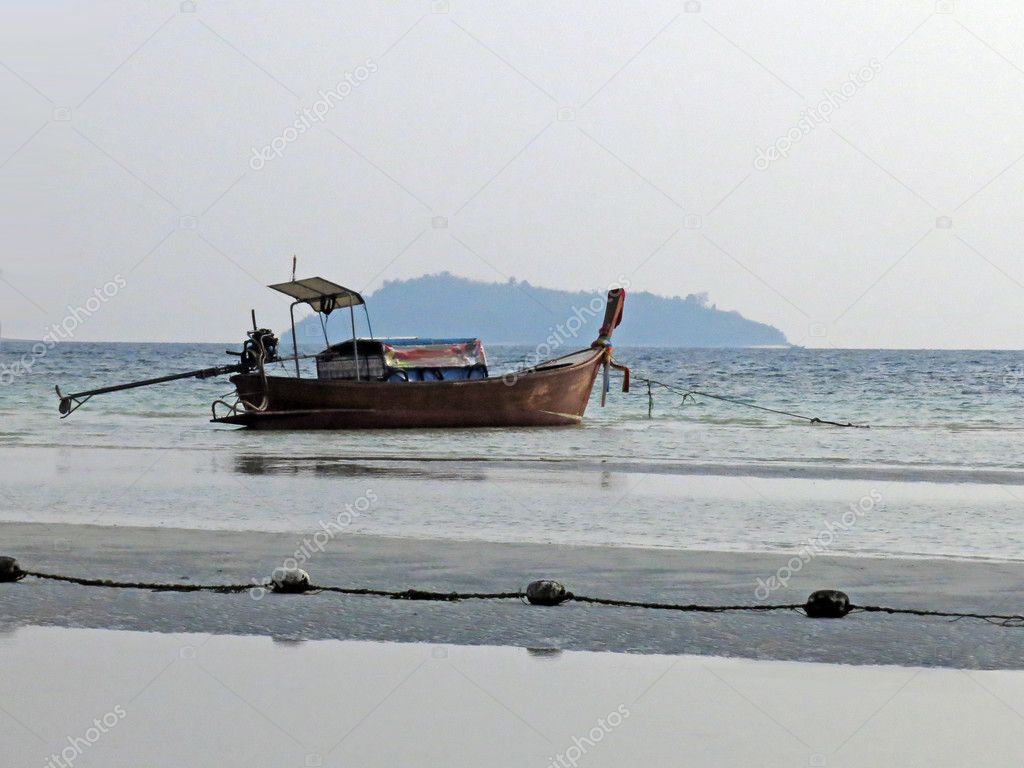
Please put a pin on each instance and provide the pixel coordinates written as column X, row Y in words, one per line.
column 410, row 359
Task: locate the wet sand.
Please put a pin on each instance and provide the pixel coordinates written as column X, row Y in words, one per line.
column 155, row 554
column 122, row 699
column 542, row 502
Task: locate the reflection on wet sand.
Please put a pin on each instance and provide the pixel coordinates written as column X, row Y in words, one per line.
column 462, row 467
column 327, row 466
column 545, row 654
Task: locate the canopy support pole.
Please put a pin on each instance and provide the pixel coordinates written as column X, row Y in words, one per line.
column 355, row 344
column 295, row 341
column 368, row 325
column 323, row 327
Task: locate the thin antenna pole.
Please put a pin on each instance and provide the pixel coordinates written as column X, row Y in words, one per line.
column 295, row 263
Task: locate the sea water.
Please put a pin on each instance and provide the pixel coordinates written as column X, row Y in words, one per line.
column 938, row 472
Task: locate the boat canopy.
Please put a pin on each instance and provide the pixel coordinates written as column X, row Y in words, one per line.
column 414, row 352
column 421, row 353
column 404, row 359
column 322, row 295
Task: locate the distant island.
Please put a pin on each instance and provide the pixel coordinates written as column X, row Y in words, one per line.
column 516, row 312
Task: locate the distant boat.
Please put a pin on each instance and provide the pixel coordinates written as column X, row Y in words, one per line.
column 382, row 383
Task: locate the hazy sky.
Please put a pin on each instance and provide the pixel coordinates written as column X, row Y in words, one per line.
column 848, row 172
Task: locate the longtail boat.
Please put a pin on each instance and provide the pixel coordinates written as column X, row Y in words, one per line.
column 384, row 383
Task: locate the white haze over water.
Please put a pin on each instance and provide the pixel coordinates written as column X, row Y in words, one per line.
column 564, row 144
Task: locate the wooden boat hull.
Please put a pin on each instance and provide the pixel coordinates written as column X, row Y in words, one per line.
column 553, row 394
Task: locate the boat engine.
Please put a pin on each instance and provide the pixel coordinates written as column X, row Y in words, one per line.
column 259, row 348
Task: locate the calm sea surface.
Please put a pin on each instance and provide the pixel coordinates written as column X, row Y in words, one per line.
column 941, row 455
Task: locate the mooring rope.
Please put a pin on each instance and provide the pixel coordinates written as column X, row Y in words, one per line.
column 407, row 594
column 1000, row 619
column 155, row 587
column 419, row 594
column 692, row 393
column 687, row 607
column 821, row 604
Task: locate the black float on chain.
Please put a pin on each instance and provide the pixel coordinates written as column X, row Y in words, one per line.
column 546, row 592
column 827, row 604
column 10, row 570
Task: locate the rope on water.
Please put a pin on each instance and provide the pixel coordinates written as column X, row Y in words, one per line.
column 690, row 394
column 822, row 604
